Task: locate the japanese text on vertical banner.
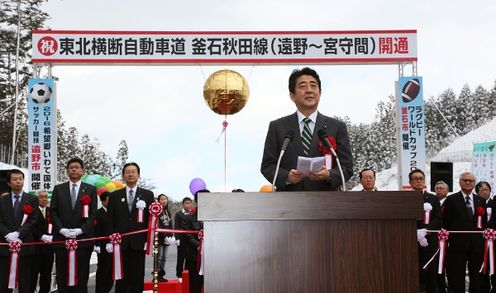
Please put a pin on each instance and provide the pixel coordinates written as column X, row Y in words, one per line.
column 42, row 134
column 484, row 163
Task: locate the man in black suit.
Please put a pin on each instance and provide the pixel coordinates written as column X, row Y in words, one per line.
column 71, row 221
column 460, row 213
column 305, row 91
column 122, row 213
column 104, row 281
column 180, row 239
column 14, row 207
column 427, row 242
column 43, row 260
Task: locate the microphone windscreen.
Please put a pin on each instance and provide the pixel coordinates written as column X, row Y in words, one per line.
column 289, row 134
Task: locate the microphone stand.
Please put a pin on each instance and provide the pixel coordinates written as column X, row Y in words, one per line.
column 339, row 167
column 277, row 170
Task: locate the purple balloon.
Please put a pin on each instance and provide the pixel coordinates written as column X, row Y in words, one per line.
column 196, row 184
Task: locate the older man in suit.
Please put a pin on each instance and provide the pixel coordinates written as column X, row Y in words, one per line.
column 122, row 213
column 305, row 124
column 14, row 207
column 73, row 206
column 461, row 210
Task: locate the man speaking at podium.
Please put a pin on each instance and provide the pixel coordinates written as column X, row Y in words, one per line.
column 310, row 134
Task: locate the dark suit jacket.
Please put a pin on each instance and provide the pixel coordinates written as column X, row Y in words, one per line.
column 64, row 216
column 10, row 224
column 41, row 228
column 456, row 217
column 102, row 227
column 273, row 144
column 122, row 221
column 435, row 220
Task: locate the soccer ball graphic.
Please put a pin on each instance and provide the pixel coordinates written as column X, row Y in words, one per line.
column 40, row 93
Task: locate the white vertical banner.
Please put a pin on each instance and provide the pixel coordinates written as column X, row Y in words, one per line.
column 484, row 163
column 411, row 132
column 42, row 134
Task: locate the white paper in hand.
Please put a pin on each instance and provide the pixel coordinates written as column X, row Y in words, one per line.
column 307, row 165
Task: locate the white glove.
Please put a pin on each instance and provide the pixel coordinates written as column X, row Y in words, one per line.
column 76, row 232
column 423, row 242
column 109, row 248
column 46, row 238
column 178, row 242
column 65, row 232
column 167, row 240
column 421, row 238
column 421, row 233
column 96, row 249
column 12, row 236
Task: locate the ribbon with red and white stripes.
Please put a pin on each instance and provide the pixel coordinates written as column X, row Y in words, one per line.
column 442, row 237
column 155, row 210
column 71, row 245
column 14, row 248
column 427, row 213
column 200, row 259
column 85, row 211
column 490, row 236
column 116, row 240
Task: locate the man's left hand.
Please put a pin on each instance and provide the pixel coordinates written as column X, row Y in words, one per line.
column 321, row 175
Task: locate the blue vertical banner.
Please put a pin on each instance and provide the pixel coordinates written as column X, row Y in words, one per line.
column 42, row 134
column 411, row 138
column 484, row 163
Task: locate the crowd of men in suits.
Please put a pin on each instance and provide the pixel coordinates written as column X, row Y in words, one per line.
column 72, row 214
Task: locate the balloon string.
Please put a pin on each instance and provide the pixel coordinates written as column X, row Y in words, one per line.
column 224, row 126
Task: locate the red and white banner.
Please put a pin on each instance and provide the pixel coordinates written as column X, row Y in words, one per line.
column 155, row 211
column 71, row 246
column 224, row 47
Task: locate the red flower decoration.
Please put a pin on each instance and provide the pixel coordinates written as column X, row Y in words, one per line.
column 49, row 219
column 325, row 150
column 27, row 209
column 481, row 211
column 85, row 200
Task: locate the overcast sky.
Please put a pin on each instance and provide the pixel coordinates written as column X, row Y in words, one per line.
column 171, row 132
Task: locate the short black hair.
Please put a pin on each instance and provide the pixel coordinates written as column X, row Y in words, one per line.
column 75, row 160
column 299, row 72
column 14, row 171
column 187, row 199
column 479, row 185
column 410, row 175
column 104, row 196
column 130, row 164
column 238, row 190
column 363, row 170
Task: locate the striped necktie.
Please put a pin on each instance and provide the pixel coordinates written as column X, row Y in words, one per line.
column 306, row 136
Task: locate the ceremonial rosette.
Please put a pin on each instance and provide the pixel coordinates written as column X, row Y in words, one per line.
column 155, row 211
column 85, row 201
column 27, row 210
column 326, row 152
column 442, row 237
column 14, row 248
column 480, row 213
column 489, row 236
column 140, row 205
column 71, row 245
column 116, row 240
column 427, row 213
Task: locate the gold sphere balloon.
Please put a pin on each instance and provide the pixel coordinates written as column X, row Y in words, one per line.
column 226, row 92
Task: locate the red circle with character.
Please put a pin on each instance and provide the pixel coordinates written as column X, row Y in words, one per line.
column 47, row 46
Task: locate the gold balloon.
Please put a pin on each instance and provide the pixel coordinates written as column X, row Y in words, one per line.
column 226, row 92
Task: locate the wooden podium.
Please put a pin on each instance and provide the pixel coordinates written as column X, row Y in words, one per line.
column 310, row 241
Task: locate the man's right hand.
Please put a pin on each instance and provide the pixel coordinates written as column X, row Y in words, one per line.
column 65, row 232
column 295, row 176
column 109, row 248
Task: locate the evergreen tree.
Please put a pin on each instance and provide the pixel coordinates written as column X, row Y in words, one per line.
column 120, row 160
column 463, row 105
column 480, row 105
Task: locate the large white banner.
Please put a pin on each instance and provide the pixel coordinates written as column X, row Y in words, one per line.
column 42, row 134
column 255, row 47
column 411, row 139
column 484, row 163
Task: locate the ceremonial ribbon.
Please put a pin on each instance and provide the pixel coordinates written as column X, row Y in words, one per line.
column 442, row 237
column 116, row 240
column 490, row 236
column 85, row 211
column 489, row 211
column 427, row 213
column 14, row 248
column 71, row 245
column 140, row 205
column 155, row 210
column 85, row 201
column 199, row 257
column 480, row 212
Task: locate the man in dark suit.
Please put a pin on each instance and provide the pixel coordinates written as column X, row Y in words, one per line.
column 14, row 207
column 427, row 242
column 187, row 204
column 104, row 281
column 460, row 213
column 43, row 260
column 122, row 213
column 305, row 91
column 71, row 221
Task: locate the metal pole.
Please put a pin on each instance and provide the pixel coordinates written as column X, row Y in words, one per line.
column 14, row 130
column 155, row 263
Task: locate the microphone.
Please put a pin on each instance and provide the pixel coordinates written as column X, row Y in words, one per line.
column 287, row 139
column 325, row 141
